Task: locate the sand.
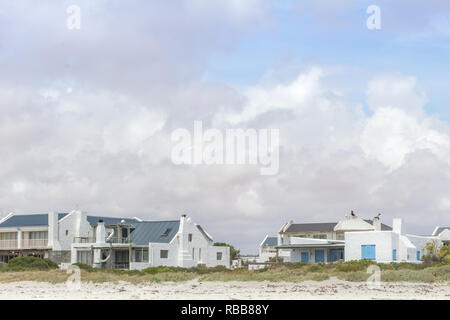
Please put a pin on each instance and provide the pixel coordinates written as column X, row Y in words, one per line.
column 195, row 290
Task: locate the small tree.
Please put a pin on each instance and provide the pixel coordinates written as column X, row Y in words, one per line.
column 444, row 254
column 430, row 254
column 234, row 254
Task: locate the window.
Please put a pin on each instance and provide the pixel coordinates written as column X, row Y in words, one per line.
column 368, row 252
column 164, row 254
column 190, row 237
column 200, row 254
column 219, row 255
column 84, row 257
column 193, row 253
column 67, row 233
column 166, row 233
column 141, row 255
column 145, row 255
column 320, row 236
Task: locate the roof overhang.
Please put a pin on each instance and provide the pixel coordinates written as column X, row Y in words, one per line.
column 295, row 246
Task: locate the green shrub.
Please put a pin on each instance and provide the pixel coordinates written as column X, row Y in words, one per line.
column 3, row 266
column 84, row 267
column 30, row 263
column 315, row 268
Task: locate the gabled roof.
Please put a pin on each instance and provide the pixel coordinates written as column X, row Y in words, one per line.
column 439, row 230
column 154, row 231
column 270, row 242
column 323, row 227
column 305, row 227
column 204, row 233
column 93, row 220
column 28, row 220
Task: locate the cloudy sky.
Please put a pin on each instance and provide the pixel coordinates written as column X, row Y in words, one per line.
column 86, row 116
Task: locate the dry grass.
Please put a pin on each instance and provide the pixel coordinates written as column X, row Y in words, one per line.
column 282, row 273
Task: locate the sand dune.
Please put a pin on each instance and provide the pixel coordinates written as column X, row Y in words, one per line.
column 330, row 289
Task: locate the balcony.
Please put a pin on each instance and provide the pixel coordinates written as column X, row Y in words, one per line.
column 8, row 244
column 83, row 240
column 118, row 240
column 34, row 243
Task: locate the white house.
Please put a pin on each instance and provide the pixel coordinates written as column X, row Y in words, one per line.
column 320, row 242
column 110, row 242
column 267, row 249
column 443, row 233
column 387, row 246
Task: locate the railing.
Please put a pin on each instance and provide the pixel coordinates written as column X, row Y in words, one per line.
column 34, row 243
column 83, row 240
column 8, row 244
column 118, row 240
column 121, row 265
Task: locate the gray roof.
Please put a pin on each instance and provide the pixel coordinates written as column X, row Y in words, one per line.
column 204, row 233
column 93, row 220
column 440, row 230
column 28, row 220
column 323, row 227
column 152, row 231
column 270, row 242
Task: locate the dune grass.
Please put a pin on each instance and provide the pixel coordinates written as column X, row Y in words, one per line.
column 355, row 271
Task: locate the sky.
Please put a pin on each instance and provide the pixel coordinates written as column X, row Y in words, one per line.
column 86, row 115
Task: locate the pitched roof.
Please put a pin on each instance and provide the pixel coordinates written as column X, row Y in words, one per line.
column 204, row 233
column 440, row 230
column 270, row 242
column 154, row 231
column 323, row 227
column 93, row 220
column 28, row 220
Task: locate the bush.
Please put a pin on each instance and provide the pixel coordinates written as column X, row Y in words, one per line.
column 3, row 266
column 30, row 263
column 315, row 268
column 84, row 267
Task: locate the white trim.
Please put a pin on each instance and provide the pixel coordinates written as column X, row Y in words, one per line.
column 7, row 217
column 435, row 230
column 265, row 238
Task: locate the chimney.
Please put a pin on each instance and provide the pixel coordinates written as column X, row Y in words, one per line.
column 377, row 223
column 53, row 229
column 397, row 226
column 100, row 232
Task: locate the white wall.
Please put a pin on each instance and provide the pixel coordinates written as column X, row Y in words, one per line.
column 77, row 225
column 385, row 242
column 187, row 254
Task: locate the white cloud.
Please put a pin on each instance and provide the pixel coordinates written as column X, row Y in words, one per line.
column 391, row 134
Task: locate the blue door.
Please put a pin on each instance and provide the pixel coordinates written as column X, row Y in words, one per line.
column 394, row 255
column 320, row 256
column 305, row 257
column 336, row 255
column 418, row 255
column 368, row 252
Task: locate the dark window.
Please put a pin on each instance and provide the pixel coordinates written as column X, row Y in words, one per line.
column 219, row 255
column 166, row 233
column 67, row 232
column 190, row 237
column 164, row 254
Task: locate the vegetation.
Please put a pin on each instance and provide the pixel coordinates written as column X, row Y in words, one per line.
column 34, row 269
column 29, row 263
column 234, row 254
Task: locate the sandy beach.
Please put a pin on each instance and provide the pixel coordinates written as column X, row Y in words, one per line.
column 195, row 290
